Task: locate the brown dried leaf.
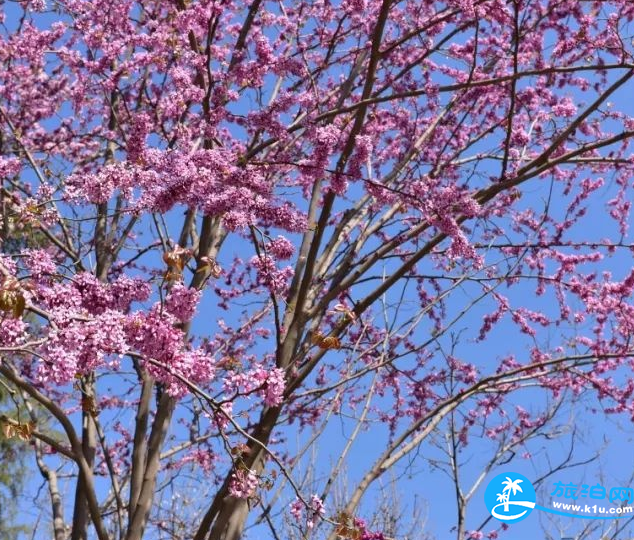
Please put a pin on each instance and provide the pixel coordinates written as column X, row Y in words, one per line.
column 210, row 264
column 6, row 300
column 240, row 449
column 33, row 209
column 173, row 276
column 343, row 517
column 19, row 306
column 177, row 259
column 348, row 533
column 25, row 431
column 215, row 269
column 89, row 405
column 11, row 428
column 12, row 298
column 326, row 343
column 8, row 430
column 230, row 363
column 173, row 261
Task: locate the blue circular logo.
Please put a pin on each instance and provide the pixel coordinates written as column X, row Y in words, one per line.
column 510, row 497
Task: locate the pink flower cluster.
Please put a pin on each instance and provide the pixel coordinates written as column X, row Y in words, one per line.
column 200, row 457
column 12, row 332
column 276, row 280
column 91, row 296
column 94, row 328
column 161, row 343
column 281, row 248
column 243, row 483
column 78, row 347
column 9, row 167
column 181, row 302
column 314, row 511
column 366, row 533
column 268, row 383
column 207, row 179
column 39, row 263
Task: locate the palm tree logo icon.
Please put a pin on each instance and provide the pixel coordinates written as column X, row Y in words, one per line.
column 509, row 486
column 514, row 501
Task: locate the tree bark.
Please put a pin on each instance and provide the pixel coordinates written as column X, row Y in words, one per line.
column 81, row 515
column 227, row 515
column 138, row 518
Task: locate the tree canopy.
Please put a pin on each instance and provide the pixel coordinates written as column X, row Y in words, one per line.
column 238, row 232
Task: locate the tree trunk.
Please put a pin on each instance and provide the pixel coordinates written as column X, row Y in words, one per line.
column 81, row 515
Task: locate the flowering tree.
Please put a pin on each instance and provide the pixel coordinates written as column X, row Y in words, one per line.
column 226, row 224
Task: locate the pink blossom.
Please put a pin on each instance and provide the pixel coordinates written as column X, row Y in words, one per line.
column 270, row 276
column 12, row 332
column 314, row 511
column 281, row 248
column 565, row 108
column 243, row 484
column 297, row 508
column 39, row 262
column 356, row 6
column 269, row 383
column 181, row 302
column 9, row 167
